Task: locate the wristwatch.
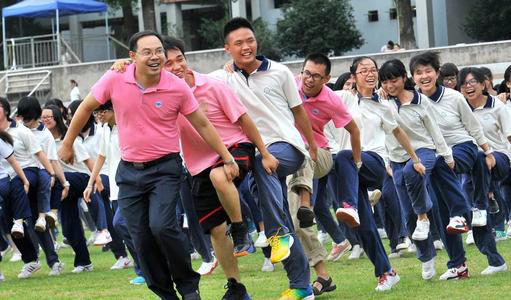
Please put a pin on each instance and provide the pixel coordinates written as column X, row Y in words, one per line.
column 67, row 184
column 230, row 161
column 418, row 161
column 358, row 164
column 488, row 152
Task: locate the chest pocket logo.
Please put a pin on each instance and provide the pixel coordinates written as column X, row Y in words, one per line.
column 158, row 104
column 315, row 111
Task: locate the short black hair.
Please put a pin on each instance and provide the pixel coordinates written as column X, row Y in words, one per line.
column 392, row 69
column 134, row 38
column 341, row 81
column 170, row 42
column 73, row 107
column 57, row 102
column 57, row 117
column 424, row 59
column 487, row 73
column 449, row 69
column 235, row 24
column 29, row 108
column 507, row 74
column 357, row 61
column 6, row 106
column 390, row 43
column 319, row 59
column 107, row 106
column 476, row 73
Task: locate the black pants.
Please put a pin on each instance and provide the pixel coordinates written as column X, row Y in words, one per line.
column 147, row 199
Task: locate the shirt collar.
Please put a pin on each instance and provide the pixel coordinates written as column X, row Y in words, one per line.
column 374, row 97
column 265, row 65
column 129, row 77
column 200, row 79
column 415, row 100
column 438, row 94
column 490, row 103
column 40, row 127
column 322, row 96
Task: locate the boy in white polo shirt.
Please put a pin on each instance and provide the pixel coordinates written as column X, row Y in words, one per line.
column 269, row 92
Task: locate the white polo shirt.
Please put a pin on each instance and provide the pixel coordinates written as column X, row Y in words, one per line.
column 339, row 138
column 46, row 141
column 379, row 122
column 80, row 156
column 421, row 127
column 496, row 122
column 109, row 148
column 92, row 141
column 268, row 93
column 25, row 147
column 6, row 150
column 455, row 117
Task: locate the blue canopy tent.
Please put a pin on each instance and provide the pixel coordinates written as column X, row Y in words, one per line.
column 52, row 9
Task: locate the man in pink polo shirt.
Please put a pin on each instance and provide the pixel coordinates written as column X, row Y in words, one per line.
column 322, row 106
column 147, row 102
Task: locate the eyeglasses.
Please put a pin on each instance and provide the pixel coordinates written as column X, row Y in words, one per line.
column 47, row 118
column 150, row 53
column 450, row 79
column 366, row 72
column 470, row 82
column 316, row 77
column 100, row 112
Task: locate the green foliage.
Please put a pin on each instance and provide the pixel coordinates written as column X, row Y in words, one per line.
column 488, row 20
column 326, row 26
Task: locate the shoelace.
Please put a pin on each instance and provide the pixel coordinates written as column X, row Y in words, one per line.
column 382, row 279
column 274, row 241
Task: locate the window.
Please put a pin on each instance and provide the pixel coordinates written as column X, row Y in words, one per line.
column 372, row 15
column 280, row 3
column 393, row 13
column 414, row 11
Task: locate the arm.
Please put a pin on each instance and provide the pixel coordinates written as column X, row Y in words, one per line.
column 79, row 120
column 356, row 147
column 403, row 139
column 303, row 123
column 270, row 163
column 90, row 165
column 431, row 126
column 19, row 171
column 61, row 177
column 95, row 174
column 211, row 137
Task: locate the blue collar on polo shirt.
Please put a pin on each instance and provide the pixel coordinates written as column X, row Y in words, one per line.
column 375, row 97
column 415, row 100
column 438, row 94
column 40, row 127
column 490, row 103
column 265, row 66
column 13, row 124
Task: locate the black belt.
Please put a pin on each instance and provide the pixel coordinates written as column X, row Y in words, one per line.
column 148, row 164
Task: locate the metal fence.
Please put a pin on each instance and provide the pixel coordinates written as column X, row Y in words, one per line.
column 31, row 52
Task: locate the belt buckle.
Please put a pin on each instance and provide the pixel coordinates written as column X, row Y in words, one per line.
column 138, row 165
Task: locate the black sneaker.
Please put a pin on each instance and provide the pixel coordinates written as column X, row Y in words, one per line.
column 493, row 206
column 306, row 217
column 240, row 240
column 235, row 291
column 192, row 296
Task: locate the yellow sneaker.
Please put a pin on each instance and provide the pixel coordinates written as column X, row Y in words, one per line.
column 280, row 247
column 298, row 294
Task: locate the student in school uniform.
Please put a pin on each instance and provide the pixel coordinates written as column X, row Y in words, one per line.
column 268, row 90
column 494, row 118
column 77, row 175
column 448, row 76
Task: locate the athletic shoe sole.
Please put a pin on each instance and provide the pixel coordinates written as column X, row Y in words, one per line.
column 457, row 230
column 347, row 218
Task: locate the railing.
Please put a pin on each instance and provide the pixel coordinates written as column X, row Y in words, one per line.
column 31, row 52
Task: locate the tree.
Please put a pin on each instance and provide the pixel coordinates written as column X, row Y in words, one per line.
column 129, row 25
column 149, row 15
column 405, row 17
column 324, row 26
column 488, row 20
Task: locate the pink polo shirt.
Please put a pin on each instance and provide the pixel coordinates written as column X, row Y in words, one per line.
column 146, row 118
column 223, row 109
column 321, row 109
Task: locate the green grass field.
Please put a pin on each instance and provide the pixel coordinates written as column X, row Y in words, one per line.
column 354, row 279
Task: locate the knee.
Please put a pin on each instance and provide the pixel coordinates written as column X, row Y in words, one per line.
column 217, row 177
column 344, row 155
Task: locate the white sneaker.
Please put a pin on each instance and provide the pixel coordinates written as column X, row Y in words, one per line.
column 374, row 197
column 17, row 231
column 207, row 268
column 28, row 269
column 261, row 241
column 40, row 224
column 322, row 237
column 479, row 217
column 438, row 245
column 51, row 219
column 122, row 263
column 56, row 269
column 387, row 281
column 490, row 270
column 356, row 252
column 102, row 238
column 428, row 269
column 459, row 272
column 16, row 256
column 2, row 277
column 382, row 233
column 80, row 269
column 92, row 237
column 195, row 255
column 412, row 248
column 348, row 215
column 394, row 255
column 470, row 238
column 404, row 244
column 267, row 265
column 457, row 225
column 421, row 231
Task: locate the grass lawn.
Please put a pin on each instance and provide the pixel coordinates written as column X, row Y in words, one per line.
column 354, row 279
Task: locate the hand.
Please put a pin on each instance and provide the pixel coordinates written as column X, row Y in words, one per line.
column 26, row 186
column 99, row 184
column 66, row 154
column 389, row 170
column 228, row 66
column 87, row 192
column 502, row 97
column 119, row 66
column 65, row 192
column 52, row 181
column 419, row 168
column 451, row 165
column 270, row 163
column 490, row 161
column 313, row 151
column 382, row 93
column 231, row 171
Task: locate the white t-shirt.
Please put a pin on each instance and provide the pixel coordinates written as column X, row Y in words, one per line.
column 92, row 142
column 75, row 94
column 109, row 148
column 47, row 143
column 269, row 94
column 6, row 151
column 25, row 147
column 80, row 156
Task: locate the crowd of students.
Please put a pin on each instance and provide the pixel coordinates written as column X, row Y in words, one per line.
column 175, row 165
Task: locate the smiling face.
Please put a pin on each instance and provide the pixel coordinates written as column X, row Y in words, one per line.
column 241, row 44
column 425, row 77
column 313, row 78
column 366, row 74
column 348, row 85
column 471, row 88
column 394, row 86
column 149, row 56
column 176, row 63
column 48, row 119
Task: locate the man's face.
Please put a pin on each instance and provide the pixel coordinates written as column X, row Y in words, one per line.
column 313, row 78
column 150, row 55
column 241, row 44
column 176, row 63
